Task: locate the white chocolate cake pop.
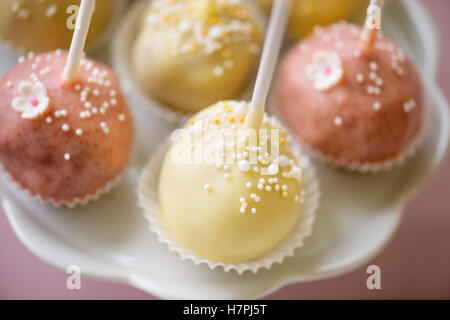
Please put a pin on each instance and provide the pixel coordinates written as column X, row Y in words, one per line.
column 237, row 209
column 231, row 189
column 190, row 54
column 41, row 25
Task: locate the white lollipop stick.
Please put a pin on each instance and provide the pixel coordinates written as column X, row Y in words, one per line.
column 271, row 50
column 72, row 66
column 372, row 25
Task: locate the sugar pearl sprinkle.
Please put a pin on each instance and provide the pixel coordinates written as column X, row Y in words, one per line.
column 91, row 95
column 273, row 174
column 370, row 79
column 194, row 32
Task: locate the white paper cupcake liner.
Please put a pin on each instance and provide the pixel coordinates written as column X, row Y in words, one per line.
column 148, row 201
column 106, row 188
column 122, row 45
column 368, row 167
column 118, row 10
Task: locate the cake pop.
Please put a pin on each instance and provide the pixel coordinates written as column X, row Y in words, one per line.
column 308, row 13
column 66, row 129
column 32, row 25
column 245, row 201
column 352, row 95
column 189, row 54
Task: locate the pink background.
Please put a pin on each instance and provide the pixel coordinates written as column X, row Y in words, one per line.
column 416, row 264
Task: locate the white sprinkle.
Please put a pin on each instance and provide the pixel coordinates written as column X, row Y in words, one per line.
column 241, row 200
column 207, row 187
column 65, row 127
column 277, row 187
column 226, row 176
column 79, row 132
column 113, row 102
column 296, row 198
column 273, row 169
column 260, row 186
column 248, row 185
column 268, row 188
column 113, row 93
column 373, row 66
column 67, row 157
column 338, row 121
column 283, row 161
column 255, row 169
column 284, row 187
column 242, row 210
column 9, row 84
column 88, row 105
column 262, row 181
column 50, row 12
column 244, row 165
column 121, row 117
column 24, row 14
column 15, row 6
column 253, row 210
column 63, row 113
column 21, row 59
column 96, row 92
column 376, row 106
column 102, row 110
column 105, row 105
column 48, row 120
column 359, row 78
column 217, row 71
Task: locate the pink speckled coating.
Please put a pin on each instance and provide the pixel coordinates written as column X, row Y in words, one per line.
column 366, row 135
column 32, row 151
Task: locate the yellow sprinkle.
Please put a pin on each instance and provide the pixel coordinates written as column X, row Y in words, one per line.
column 232, row 119
column 282, row 140
column 191, row 121
column 242, row 119
column 216, row 121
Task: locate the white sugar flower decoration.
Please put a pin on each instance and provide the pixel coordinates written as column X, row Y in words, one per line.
column 326, row 70
column 32, row 101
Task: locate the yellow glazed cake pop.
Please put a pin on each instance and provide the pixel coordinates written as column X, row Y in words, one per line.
column 190, row 54
column 238, row 204
column 308, row 13
column 41, row 25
